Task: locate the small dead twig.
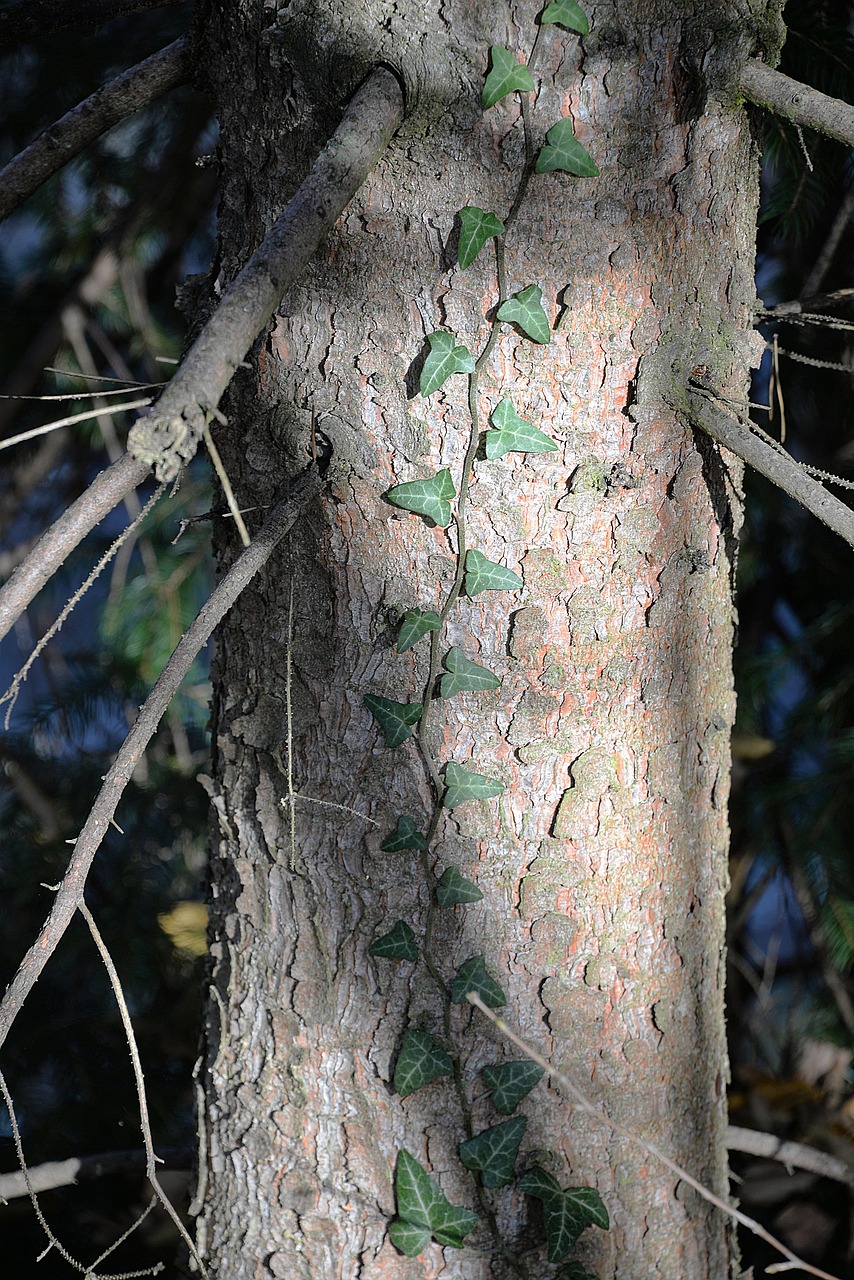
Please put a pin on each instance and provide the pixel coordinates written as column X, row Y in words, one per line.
column 793, row 1261
column 142, row 1102
column 68, row 136
column 302, row 490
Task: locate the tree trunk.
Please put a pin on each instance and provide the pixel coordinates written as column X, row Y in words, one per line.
column 603, row 864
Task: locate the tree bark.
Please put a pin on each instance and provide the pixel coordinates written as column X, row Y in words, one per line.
column 604, row 863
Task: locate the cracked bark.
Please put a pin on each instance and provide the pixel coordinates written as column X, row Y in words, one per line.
column 604, row 864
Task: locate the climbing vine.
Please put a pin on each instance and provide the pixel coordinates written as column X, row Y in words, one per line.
column 423, row 1211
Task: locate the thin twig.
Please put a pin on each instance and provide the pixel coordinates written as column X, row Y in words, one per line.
column 301, row 492
column 69, row 422
column 53, row 1243
column 222, row 475
column 142, row 1101
column 68, row 136
column 683, row 1175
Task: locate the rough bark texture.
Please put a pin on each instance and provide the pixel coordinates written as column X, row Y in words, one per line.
column 604, row 864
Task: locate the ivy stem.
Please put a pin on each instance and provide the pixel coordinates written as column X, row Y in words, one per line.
column 428, row 695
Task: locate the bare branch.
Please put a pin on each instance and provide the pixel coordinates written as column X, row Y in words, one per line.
column 111, row 103
column 68, row 1173
column 797, row 102
column 104, row 493
column 167, row 436
column 794, row 1155
column 771, row 460
column 301, row 492
column 28, row 19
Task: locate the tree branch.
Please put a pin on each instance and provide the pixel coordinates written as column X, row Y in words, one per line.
column 28, row 19
column 104, row 493
column 797, row 102
column 113, row 102
column 69, row 895
column 167, row 436
column 771, row 461
column 794, row 1155
column 68, row 1173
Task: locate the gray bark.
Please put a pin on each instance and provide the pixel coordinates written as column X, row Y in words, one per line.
column 604, row 864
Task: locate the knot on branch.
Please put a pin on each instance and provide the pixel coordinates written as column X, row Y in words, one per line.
column 167, row 443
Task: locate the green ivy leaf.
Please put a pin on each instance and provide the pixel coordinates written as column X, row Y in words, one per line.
column 568, row 14
column 465, row 674
column 575, row 1271
column 416, row 623
column 514, row 434
column 488, row 575
column 563, row 151
column 474, row 976
column 493, row 1152
column 397, row 719
column 405, row 836
column 453, row 888
column 526, row 310
column 540, row 1184
column 462, row 785
column 510, row 1082
column 426, row 497
column 566, row 1213
column 408, row 1238
column 476, row 227
column 446, row 357
column 419, row 1062
column 398, row 944
column 421, row 1203
column 506, row 76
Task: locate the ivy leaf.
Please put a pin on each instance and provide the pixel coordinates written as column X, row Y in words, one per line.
column 540, row 1184
column 398, row 944
column 506, row 76
column 419, row 1062
column 421, row 1203
column 563, row 151
column 566, row 1213
column 493, row 1152
column 453, row 888
column 476, row 227
column 405, row 836
column 510, row 1082
column 568, row 14
column 416, row 623
column 397, row 719
column 514, row 434
column 526, row 310
column 408, row 1238
column 446, row 357
column 462, row 785
column 465, row 674
column 488, row 575
column 426, row 497
column 474, row 976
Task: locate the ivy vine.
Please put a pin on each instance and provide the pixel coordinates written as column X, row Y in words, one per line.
column 423, row 1211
